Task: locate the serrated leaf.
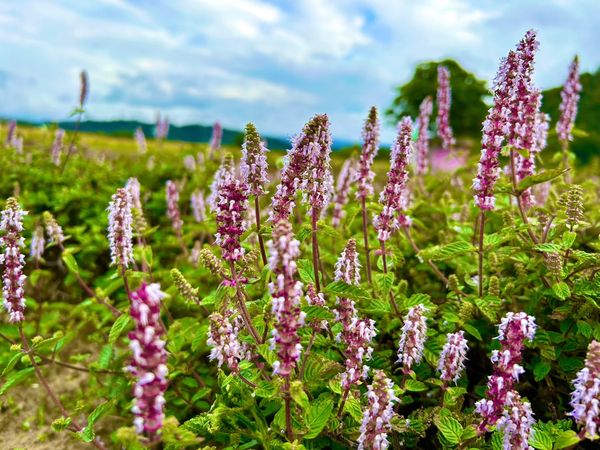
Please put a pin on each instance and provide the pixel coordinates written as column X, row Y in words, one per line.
column 541, row 369
column 120, row 325
column 298, row 394
column 306, row 271
column 538, row 178
column 415, row 386
column 345, row 290
column 70, row 262
column 317, row 416
column 87, row 434
column 568, row 238
column 473, row 331
column 541, row 440
column 15, row 378
column 314, row 312
column 384, row 282
column 11, row 363
column 451, row 429
column 561, row 290
column 566, row 439
column 448, row 251
column 265, row 389
column 548, row 248
column 354, row 408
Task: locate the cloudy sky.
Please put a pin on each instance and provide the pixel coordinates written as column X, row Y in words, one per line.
column 273, row 62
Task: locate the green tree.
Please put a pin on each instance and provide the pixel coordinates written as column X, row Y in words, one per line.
column 468, row 108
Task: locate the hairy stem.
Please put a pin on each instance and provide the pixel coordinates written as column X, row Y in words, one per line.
column 315, row 251
column 242, row 305
column 480, row 265
column 288, row 410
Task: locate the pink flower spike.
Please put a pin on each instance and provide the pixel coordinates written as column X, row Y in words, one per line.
column 370, row 148
column 412, row 340
column 453, row 357
column 585, row 398
column 422, row 149
column 223, row 338
column 444, row 94
column 173, row 206
column 231, row 205
column 120, row 233
column 568, row 106
column 376, row 423
column 253, row 167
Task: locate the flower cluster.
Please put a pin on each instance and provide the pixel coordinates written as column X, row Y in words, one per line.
column 133, row 187
column 443, row 104
column 57, row 146
column 161, row 131
column 140, row 140
column 370, row 148
column 412, row 340
column 394, row 197
column 189, row 162
column 453, row 356
column 215, row 139
column 36, row 249
column 53, row 229
column 376, row 423
column 184, row 287
column 585, row 399
column 11, row 133
column 13, row 260
column 223, row 338
column 516, row 423
column 149, row 362
column 198, row 207
column 231, row 205
column 568, row 105
column 422, row 147
column 514, row 330
column 286, row 293
column 120, row 233
column 225, row 171
column 172, row 195
column 344, row 181
column 253, row 167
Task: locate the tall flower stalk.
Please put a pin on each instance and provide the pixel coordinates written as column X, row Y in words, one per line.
column 344, row 181
column 568, row 112
column 215, row 139
column 286, row 292
column 84, row 90
column 585, row 398
column 140, row 140
column 444, row 95
column 57, row 146
column 422, row 147
column 452, row 359
column 253, row 169
column 376, row 422
column 412, row 339
column 365, row 176
column 120, row 232
column 173, row 212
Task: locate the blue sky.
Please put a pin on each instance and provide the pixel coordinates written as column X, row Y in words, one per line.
column 275, row 62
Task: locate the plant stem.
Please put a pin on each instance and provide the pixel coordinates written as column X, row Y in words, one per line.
column 385, row 270
column 261, row 242
column 522, row 212
column 307, row 353
column 315, row 250
column 565, row 160
column 343, row 402
column 480, row 265
column 242, row 305
column 366, row 239
column 288, row 410
column 72, row 142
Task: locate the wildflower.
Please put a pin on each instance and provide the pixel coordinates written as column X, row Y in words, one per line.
column 223, row 173
column 57, row 146
column 495, row 128
column 286, row 293
column 195, row 253
column 412, row 340
column 120, row 229
column 198, row 207
column 574, row 206
column 223, row 338
column 84, row 88
column 173, row 207
column 212, row 263
column 585, row 399
column 133, row 187
column 443, row 104
column 347, row 267
column 149, row 361
column 53, row 229
column 394, row 197
column 453, row 356
column 516, row 423
column 140, row 140
column 18, row 144
column 423, row 139
column 231, row 205
column 370, row 148
column 215, row 140
column 376, row 423
column 161, row 130
column 313, row 298
column 189, row 162
column 253, row 166
column 184, row 287
column 514, row 330
column 13, row 260
column 344, row 181
column 37, row 244
column 11, row 133
column 568, row 105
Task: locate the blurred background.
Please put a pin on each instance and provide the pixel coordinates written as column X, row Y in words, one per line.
column 276, row 62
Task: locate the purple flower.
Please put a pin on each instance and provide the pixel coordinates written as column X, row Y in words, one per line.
column 344, row 181
column 394, row 197
column 149, row 361
column 585, row 399
column 370, row 148
column 53, row 229
column 443, row 104
column 223, row 338
column 253, row 166
column 225, row 171
column 286, row 293
column 120, row 233
column 568, row 106
column 318, row 181
column 37, row 244
column 189, row 162
column 215, row 139
column 453, row 356
column 525, row 165
column 231, row 205
column 412, row 340
column 133, row 187
column 514, row 330
column 347, row 267
column 57, row 146
column 11, row 133
column 516, row 423
column 198, row 207
column 495, row 128
column 423, row 139
column 161, row 131
column 13, row 260
column 376, row 423
column 298, row 161
column 140, row 140
column 173, row 206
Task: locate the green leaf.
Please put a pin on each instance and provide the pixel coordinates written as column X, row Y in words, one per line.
column 345, row 290
column 87, row 434
column 415, row 386
column 11, row 364
column 584, row 328
column 61, row 423
column 562, row 290
column 541, row 440
column 473, row 331
column 354, row 408
column 70, row 262
column 15, row 378
column 541, row 369
column 265, row 389
column 548, row 248
column 104, row 357
column 448, row 250
column 306, row 271
column 384, row 282
column 451, row 429
column 298, row 394
column 314, row 312
column 122, row 323
column 317, row 416
column 566, row 439
column 540, row 177
column 568, row 238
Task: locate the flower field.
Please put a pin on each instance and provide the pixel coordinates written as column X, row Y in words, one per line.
column 162, row 294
